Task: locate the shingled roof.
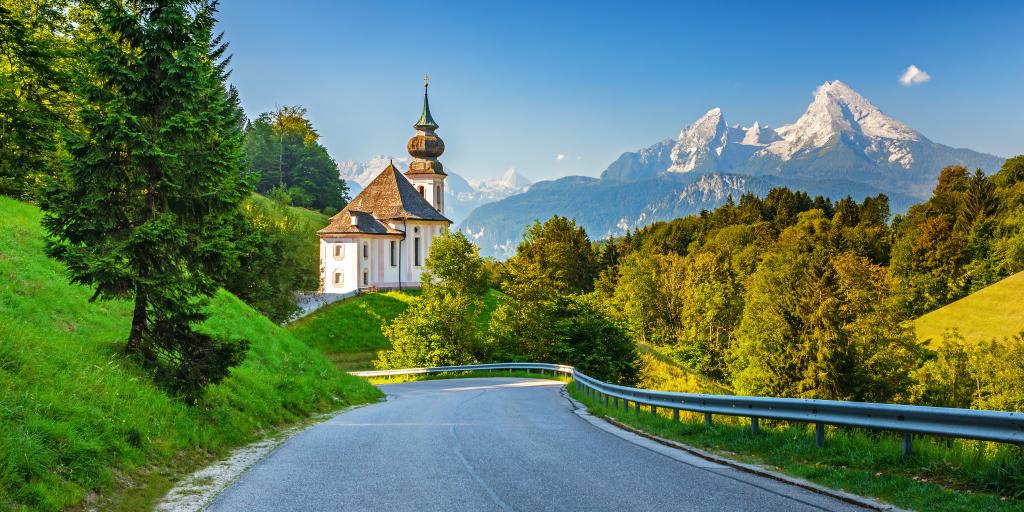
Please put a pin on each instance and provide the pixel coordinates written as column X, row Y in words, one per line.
column 389, row 196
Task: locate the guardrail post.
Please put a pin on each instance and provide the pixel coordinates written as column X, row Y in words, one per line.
column 707, row 419
column 907, row 436
column 755, row 425
column 675, row 414
column 654, row 410
column 819, row 434
column 625, row 406
column 606, row 400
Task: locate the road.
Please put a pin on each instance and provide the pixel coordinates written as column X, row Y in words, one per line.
column 493, row 444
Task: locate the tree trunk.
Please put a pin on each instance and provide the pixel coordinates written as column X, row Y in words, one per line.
column 139, row 319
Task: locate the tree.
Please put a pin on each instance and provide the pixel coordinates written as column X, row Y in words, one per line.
column 563, row 250
column 277, row 255
column 283, row 151
column 537, row 321
column 440, row 327
column 146, row 208
column 33, row 64
column 817, row 323
column 455, row 263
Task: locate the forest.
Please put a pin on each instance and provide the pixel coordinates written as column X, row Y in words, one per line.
column 785, row 295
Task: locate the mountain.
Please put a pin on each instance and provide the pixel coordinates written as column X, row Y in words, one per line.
column 461, row 195
column 841, row 145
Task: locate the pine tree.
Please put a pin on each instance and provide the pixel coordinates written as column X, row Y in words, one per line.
column 146, row 208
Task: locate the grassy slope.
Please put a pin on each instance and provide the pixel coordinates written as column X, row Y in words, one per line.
column 658, row 371
column 77, row 418
column 995, row 312
column 348, row 331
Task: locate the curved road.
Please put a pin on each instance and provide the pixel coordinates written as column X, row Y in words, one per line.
column 492, row 444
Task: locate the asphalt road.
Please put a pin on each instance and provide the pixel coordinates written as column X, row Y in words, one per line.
column 493, row 444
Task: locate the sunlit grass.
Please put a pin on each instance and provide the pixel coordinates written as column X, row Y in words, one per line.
column 77, row 418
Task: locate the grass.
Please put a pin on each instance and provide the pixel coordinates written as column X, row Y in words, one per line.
column 994, row 312
column 659, row 371
column 348, row 332
column 939, row 475
column 80, row 426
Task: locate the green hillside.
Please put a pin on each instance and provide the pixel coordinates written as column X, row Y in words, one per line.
column 348, row 331
column 77, row 419
column 994, row 312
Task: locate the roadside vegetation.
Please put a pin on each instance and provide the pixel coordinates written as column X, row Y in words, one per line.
column 956, row 475
column 78, row 419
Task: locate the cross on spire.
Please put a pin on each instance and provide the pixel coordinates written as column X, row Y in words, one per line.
column 426, row 80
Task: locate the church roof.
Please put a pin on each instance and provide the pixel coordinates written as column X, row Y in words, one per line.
column 389, row 196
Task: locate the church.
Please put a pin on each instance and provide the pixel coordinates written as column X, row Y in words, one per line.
column 381, row 239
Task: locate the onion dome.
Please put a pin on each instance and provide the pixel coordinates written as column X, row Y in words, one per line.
column 425, row 147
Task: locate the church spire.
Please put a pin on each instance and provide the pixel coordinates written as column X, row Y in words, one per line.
column 425, row 146
column 426, row 121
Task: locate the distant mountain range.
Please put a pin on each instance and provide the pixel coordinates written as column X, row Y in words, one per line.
column 842, row 145
column 461, row 195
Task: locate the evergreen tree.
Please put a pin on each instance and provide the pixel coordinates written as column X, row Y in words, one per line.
column 32, row 80
column 283, row 151
column 563, row 250
column 146, row 208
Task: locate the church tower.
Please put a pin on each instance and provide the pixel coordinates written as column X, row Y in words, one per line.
column 425, row 172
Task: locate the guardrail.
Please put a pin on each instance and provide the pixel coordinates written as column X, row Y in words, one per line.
column 909, row 420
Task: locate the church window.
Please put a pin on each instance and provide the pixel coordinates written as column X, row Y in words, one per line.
column 366, row 278
column 339, row 251
column 416, row 253
column 394, row 253
column 339, row 278
column 366, row 251
column 420, row 188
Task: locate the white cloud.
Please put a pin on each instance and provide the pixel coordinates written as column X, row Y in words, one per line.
column 559, row 157
column 913, row 76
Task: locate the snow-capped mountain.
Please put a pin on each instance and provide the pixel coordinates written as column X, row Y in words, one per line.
column 509, row 183
column 461, row 195
column 841, row 145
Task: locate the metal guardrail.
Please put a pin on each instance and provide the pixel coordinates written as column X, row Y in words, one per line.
column 998, row 426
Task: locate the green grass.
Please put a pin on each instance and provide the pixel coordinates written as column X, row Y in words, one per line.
column 994, row 312
column 82, row 426
column 661, row 372
column 958, row 476
column 348, row 332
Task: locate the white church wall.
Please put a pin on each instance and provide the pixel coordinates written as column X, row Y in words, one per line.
column 339, row 260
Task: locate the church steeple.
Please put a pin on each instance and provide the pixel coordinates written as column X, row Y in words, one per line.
column 425, row 147
column 426, row 122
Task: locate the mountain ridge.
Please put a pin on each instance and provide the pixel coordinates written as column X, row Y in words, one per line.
column 842, row 144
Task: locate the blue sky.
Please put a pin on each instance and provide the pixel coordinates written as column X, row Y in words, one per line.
column 517, row 84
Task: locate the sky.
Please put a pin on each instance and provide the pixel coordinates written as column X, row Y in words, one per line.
column 561, row 88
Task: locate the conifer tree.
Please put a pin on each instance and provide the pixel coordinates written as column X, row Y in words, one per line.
column 145, row 209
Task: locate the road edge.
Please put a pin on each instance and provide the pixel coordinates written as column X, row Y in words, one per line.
column 193, row 493
column 861, row 501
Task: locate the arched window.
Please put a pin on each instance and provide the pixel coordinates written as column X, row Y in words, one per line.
column 339, row 251
column 339, row 278
column 366, row 278
column 420, row 188
column 366, row 250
